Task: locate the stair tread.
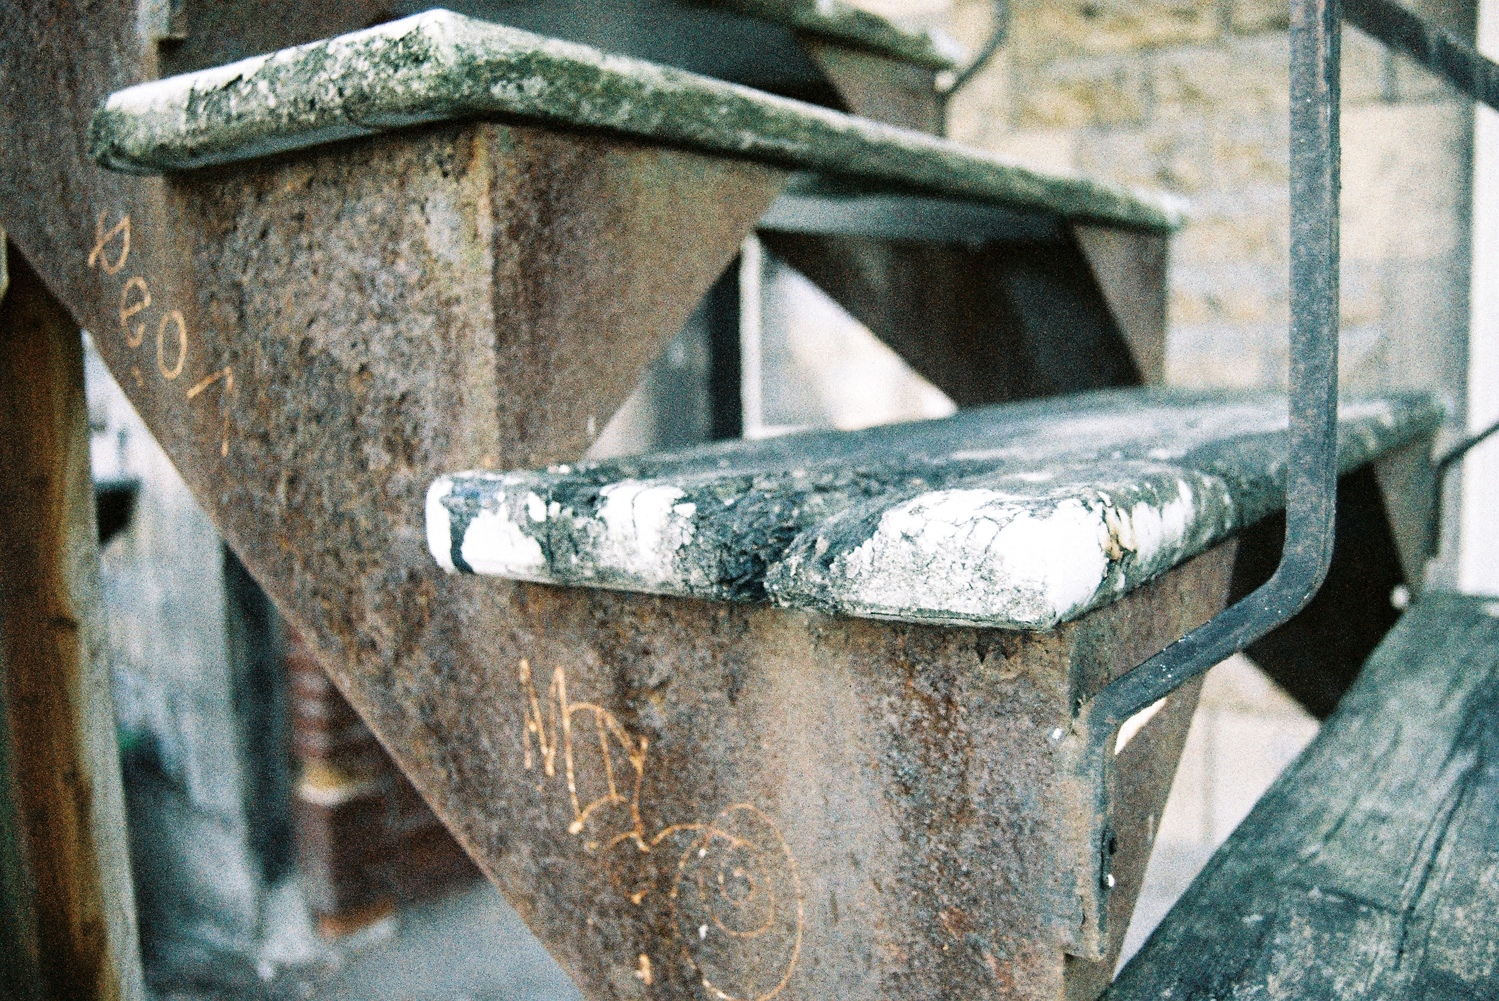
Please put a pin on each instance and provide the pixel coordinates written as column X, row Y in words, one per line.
column 1018, row 516
column 1371, row 867
column 441, row 66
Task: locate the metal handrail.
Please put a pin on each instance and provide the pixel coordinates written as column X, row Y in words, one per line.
column 1311, row 477
column 1440, row 51
column 998, row 34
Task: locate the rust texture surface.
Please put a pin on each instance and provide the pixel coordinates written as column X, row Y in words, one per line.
column 71, row 894
column 881, row 88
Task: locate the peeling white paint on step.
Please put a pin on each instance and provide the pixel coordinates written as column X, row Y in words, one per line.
column 645, row 527
column 978, row 553
column 984, row 555
column 493, row 542
column 1150, row 532
column 1007, row 517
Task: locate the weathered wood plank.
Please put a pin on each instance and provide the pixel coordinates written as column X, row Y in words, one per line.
column 64, row 833
column 20, row 975
column 1371, row 868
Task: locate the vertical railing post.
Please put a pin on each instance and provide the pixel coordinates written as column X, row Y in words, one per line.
column 1311, row 479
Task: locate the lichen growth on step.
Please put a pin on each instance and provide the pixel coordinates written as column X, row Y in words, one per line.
column 441, row 66
column 1022, row 516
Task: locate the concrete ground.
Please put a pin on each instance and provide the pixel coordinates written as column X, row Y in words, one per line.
column 469, row 947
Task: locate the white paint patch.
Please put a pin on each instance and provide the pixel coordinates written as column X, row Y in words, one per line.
column 645, row 527
column 440, row 523
column 979, row 554
column 495, row 544
column 1153, row 532
column 536, row 508
column 965, row 555
column 1136, row 723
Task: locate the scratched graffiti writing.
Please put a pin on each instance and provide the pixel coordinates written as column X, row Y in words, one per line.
column 735, row 894
column 110, row 254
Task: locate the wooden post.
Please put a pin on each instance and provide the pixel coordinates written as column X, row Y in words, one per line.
column 65, row 890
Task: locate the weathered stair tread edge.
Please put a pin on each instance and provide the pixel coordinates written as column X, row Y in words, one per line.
column 441, row 66
column 840, row 22
column 995, row 517
column 1370, row 869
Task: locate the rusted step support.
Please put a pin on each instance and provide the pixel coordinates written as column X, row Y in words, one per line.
column 874, row 788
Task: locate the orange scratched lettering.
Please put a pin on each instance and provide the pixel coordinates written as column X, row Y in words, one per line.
column 129, row 308
column 225, row 376
column 172, row 318
column 102, row 239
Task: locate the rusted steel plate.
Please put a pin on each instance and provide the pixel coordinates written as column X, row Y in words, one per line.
column 1130, row 268
column 880, row 87
column 691, row 800
column 358, row 376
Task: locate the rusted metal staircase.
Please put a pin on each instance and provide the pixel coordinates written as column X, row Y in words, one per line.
column 350, row 269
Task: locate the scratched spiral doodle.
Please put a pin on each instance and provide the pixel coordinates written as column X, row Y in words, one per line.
column 737, row 901
column 736, row 896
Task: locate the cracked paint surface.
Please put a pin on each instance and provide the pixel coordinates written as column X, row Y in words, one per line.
column 1022, row 516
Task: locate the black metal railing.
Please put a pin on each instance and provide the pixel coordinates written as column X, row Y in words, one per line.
column 1311, row 481
column 1440, row 51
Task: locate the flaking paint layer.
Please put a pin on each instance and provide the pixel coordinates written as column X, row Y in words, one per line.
column 1022, row 516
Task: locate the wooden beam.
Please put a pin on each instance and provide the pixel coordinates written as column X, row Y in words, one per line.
column 62, row 832
column 1371, row 868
